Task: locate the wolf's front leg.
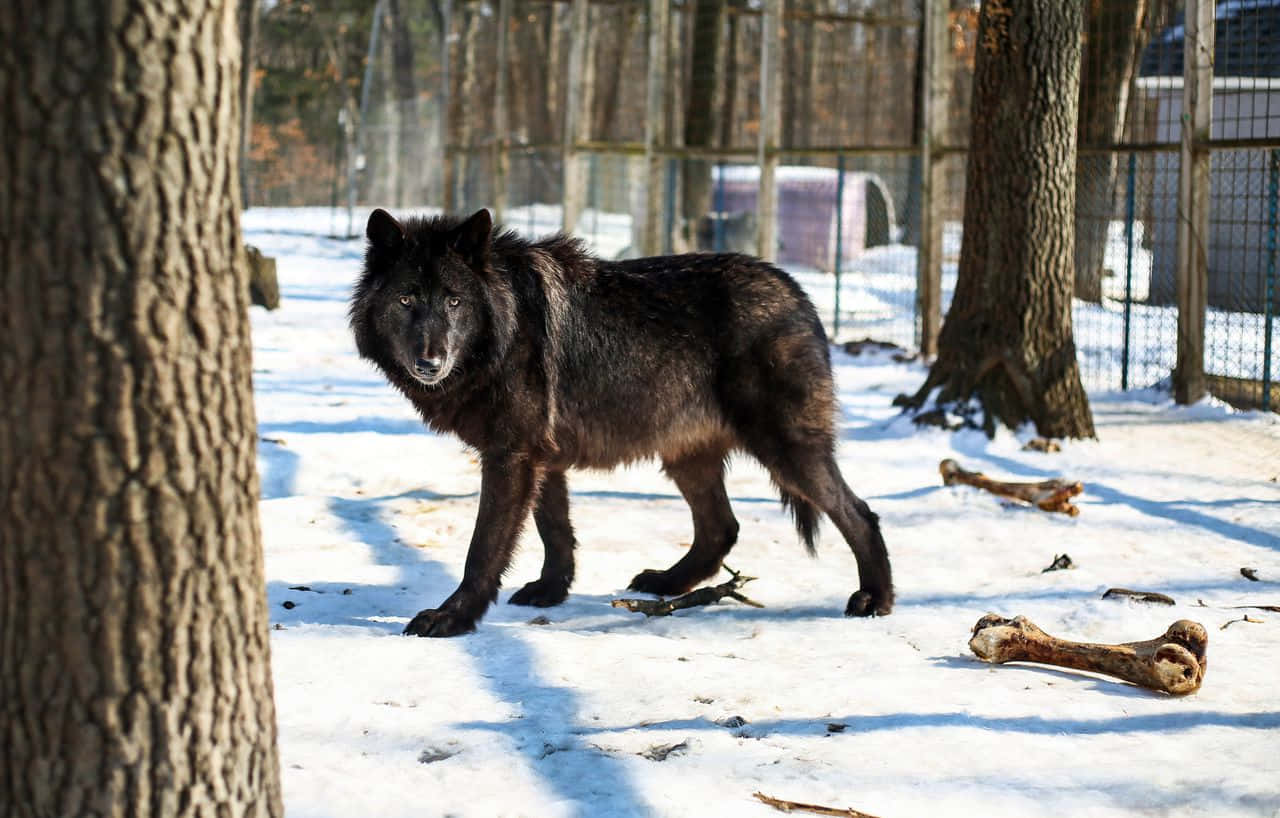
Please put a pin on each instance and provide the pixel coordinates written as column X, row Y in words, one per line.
column 508, row 483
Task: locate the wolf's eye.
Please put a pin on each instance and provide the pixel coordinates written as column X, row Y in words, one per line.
column 406, row 300
column 454, row 301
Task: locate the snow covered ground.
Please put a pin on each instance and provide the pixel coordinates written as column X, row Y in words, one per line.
column 370, row 514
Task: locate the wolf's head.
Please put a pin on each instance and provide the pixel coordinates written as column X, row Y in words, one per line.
column 421, row 303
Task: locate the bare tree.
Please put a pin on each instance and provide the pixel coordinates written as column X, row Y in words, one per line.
column 133, row 620
column 701, row 108
column 1007, row 340
column 247, row 11
column 1115, row 35
column 405, row 190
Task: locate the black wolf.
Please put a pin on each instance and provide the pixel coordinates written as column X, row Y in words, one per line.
column 543, row 357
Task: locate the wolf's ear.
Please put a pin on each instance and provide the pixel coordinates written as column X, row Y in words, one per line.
column 471, row 238
column 383, row 231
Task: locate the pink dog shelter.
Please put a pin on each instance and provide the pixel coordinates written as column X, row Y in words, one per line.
column 807, row 210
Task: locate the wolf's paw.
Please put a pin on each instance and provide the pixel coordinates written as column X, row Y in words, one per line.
column 433, row 622
column 541, row 593
column 869, row 603
column 660, row 583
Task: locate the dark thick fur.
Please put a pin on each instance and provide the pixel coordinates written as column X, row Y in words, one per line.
column 542, row 358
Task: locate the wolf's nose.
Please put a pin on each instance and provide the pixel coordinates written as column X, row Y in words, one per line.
column 429, row 367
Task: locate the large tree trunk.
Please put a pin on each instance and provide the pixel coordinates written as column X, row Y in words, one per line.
column 1114, row 39
column 133, row 618
column 1007, row 340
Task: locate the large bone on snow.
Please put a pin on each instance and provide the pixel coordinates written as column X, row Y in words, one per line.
column 1174, row 662
column 1047, row 495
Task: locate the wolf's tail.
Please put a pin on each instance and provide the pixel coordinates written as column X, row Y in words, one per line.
column 806, row 517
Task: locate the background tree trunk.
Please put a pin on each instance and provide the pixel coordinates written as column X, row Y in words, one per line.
column 700, row 118
column 133, row 619
column 1115, row 35
column 247, row 15
column 1007, row 340
column 407, row 187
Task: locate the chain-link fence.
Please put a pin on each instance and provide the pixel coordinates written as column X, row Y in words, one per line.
column 1131, row 281
column 830, row 136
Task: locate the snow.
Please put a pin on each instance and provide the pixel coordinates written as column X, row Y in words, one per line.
column 372, row 513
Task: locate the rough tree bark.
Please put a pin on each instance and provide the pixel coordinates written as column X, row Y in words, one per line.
column 133, row 619
column 1007, row 340
column 1114, row 38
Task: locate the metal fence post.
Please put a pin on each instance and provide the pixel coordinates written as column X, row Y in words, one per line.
column 1273, row 193
column 577, row 101
column 501, row 154
column 655, row 121
column 1193, row 200
column 934, row 90
column 835, row 264
column 767, row 155
column 1130, row 205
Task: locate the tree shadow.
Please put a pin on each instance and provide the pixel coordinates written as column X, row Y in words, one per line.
column 1102, row 685
column 1165, row 722
column 374, row 423
column 279, row 469
column 1175, row 510
column 499, row 653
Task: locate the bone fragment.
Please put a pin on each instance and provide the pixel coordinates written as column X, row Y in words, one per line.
column 1047, row 495
column 1174, row 662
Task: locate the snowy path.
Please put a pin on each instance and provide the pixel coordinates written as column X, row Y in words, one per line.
column 551, row 720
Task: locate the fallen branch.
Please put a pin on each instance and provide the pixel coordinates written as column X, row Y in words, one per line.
column 1173, row 662
column 1272, row 608
column 1047, row 495
column 1140, row 596
column 1245, row 618
column 700, row 596
column 790, row 806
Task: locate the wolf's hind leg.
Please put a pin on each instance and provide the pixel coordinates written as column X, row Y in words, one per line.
column 700, row 479
column 551, row 516
column 810, row 474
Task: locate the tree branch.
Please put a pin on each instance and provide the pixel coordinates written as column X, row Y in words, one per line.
column 701, row 596
column 790, row 806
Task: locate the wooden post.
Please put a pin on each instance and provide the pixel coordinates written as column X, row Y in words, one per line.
column 577, row 110
column 655, row 125
column 501, row 130
column 1193, row 200
column 767, row 157
column 935, row 86
column 442, row 116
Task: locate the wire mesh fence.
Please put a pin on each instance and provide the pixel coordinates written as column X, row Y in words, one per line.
column 648, row 126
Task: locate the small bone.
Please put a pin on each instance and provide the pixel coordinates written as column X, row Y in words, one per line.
column 1047, row 495
column 1174, row 662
